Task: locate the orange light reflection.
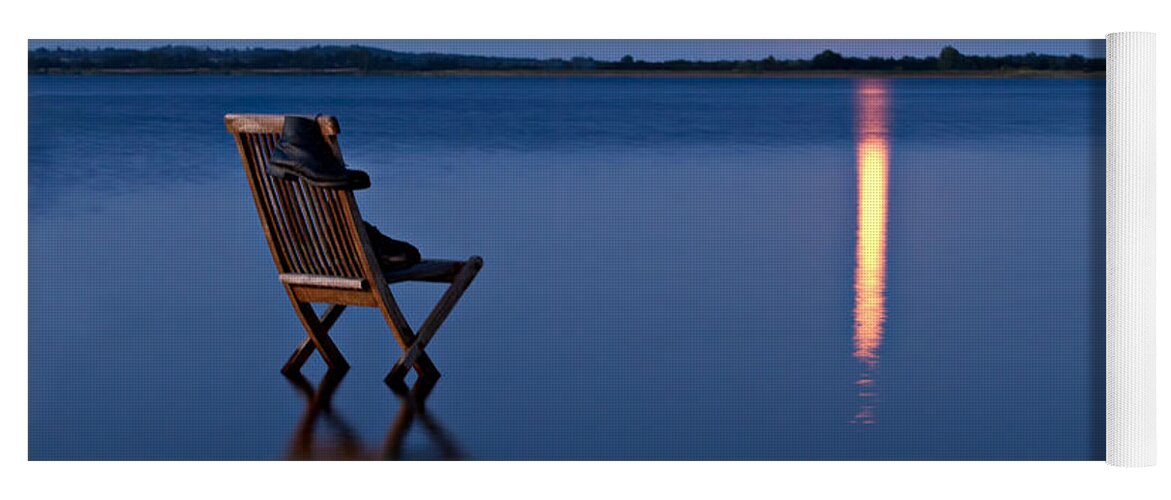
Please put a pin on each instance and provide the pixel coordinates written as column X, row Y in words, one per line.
column 870, row 274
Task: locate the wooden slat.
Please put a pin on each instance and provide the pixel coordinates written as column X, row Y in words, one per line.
column 291, row 207
column 324, row 281
column 281, row 231
column 341, row 203
column 352, row 249
column 263, row 208
column 329, row 229
column 263, row 204
column 272, row 124
column 280, row 213
column 325, row 235
column 283, row 209
column 312, row 228
column 321, row 295
column 320, row 238
column 256, row 167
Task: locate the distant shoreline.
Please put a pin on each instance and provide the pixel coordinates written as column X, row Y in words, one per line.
column 357, row 60
column 988, row 74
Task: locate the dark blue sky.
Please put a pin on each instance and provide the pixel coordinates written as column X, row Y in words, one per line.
column 650, row 50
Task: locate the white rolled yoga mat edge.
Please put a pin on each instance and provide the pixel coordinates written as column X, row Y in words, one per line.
column 1130, row 255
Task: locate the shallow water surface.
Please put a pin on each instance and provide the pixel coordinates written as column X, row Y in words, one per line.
column 675, row 268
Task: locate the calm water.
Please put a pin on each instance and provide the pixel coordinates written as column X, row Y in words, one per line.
column 675, row 269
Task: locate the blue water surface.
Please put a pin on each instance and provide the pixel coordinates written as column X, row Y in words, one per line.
column 676, row 268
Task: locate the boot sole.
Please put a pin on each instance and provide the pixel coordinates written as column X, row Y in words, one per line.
column 287, row 174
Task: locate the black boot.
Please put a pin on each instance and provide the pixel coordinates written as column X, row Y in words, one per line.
column 303, row 152
column 392, row 254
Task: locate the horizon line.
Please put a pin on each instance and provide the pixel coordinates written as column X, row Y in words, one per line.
column 643, row 50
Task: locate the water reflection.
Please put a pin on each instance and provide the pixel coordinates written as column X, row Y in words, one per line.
column 870, row 271
column 658, row 176
column 343, row 442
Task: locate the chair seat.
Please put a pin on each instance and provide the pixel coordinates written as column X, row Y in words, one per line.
column 434, row 270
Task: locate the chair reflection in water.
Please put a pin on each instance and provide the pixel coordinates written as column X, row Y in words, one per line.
column 324, row 255
column 346, row 444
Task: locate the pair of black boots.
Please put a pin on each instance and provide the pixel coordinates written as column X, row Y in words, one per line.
column 304, row 153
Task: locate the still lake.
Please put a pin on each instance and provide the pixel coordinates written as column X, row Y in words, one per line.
column 675, row 268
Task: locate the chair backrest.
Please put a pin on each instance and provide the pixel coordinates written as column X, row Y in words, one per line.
column 315, row 234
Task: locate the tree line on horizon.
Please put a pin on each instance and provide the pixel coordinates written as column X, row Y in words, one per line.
column 372, row 60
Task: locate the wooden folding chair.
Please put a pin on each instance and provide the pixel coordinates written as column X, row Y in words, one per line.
column 323, row 254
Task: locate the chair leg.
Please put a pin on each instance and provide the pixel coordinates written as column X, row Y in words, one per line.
column 318, row 338
column 414, row 352
column 405, row 338
column 305, row 350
